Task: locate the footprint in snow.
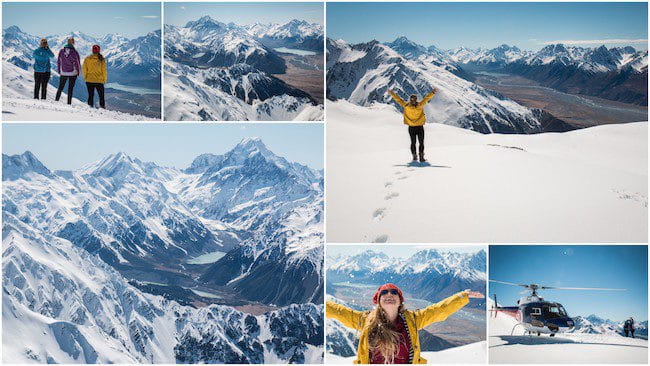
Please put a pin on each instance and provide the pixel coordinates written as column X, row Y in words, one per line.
column 381, row 239
column 388, row 184
column 402, row 177
column 391, row 195
column 378, row 214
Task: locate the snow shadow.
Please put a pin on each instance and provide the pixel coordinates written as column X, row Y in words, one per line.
column 532, row 340
column 421, row 165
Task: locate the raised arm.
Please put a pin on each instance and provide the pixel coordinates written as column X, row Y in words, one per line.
column 428, row 97
column 441, row 310
column 349, row 317
column 396, row 97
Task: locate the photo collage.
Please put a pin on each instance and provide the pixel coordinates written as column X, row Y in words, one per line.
column 324, row 182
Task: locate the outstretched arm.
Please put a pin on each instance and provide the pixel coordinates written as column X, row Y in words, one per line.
column 349, row 317
column 428, row 97
column 442, row 310
column 399, row 100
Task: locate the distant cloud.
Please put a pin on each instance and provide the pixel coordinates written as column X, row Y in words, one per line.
column 596, row 41
column 149, row 16
column 120, row 18
column 183, row 8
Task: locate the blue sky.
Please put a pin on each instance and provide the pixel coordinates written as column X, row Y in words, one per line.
column 526, row 25
column 399, row 251
column 96, row 19
column 244, row 13
column 610, row 266
column 69, row 146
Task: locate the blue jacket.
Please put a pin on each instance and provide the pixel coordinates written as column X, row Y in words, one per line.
column 42, row 59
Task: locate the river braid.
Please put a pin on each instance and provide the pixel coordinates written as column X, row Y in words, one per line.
column 382, row 336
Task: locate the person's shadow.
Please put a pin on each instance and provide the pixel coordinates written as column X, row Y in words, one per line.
column 425, row 164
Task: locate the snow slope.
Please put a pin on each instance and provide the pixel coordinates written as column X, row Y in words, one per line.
column 473, row 353
column 18, row 105
column 507, row 347
column 582, row 186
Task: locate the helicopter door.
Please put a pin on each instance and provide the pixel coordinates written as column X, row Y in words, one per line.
column 535, row 313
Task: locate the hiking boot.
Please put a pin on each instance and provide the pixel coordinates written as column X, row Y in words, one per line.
column 422, row 159
column 415, row 157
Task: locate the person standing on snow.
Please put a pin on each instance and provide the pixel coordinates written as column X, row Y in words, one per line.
column 42, row 68
column 68, row 66
column 94, row 71
column 389, row 332
column 626, row 327
column 415, row 119
column 632, row 326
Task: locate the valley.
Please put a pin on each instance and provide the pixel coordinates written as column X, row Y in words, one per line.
column 578, row 110
column 305, row 73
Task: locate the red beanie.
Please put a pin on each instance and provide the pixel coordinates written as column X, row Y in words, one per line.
column 388, row 286
column 95, row 48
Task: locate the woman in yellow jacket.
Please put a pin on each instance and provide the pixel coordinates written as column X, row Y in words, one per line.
column 415, row 119
column 389, row 332
column 94, row 70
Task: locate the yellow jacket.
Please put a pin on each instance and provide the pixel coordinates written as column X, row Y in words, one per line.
column 415, row 319
column 413, row 115
column 94, row 70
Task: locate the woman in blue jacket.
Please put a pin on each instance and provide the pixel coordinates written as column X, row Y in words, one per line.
column 42, row 57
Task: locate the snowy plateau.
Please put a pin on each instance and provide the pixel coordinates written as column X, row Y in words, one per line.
column 581, row 186
column 133, row 89
column 98, row 262
column 217, row 71
column 425, row 277
column 508, row 344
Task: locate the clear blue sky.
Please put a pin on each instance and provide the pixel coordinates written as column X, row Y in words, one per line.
column 398, row 251
column 244, row 13
column 610, row 266
column 96, row 19
column 525, row 25
column 69, row 146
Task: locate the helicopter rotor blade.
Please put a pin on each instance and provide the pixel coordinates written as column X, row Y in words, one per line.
column 582, row 288
column 510, row 283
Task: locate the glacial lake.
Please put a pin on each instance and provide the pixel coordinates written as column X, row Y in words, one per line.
column 132, row 89
column 206, row 258
column 295, row 51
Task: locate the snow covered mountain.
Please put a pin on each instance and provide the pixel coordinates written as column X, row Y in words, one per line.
column 205, row 43
column 264, row 212
column 363, row 73
column 62, row 304
column 594, row 324
column 298, row 34
column 431, row 274
column 218, row 71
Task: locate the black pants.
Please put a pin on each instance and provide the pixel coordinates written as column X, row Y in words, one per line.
column 71, row 80
column 40, row 83
column 91, row 94
column 417, row 131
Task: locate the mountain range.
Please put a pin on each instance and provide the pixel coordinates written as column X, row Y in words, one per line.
column 363, row 73
column 88, row 233
column 616, row 73
column 219, row 71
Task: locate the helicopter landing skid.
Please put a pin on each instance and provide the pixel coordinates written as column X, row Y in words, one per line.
column 512, row 332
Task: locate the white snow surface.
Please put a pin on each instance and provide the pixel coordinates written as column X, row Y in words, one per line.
column 506, row 346
column 588, row 185
column 473, row 353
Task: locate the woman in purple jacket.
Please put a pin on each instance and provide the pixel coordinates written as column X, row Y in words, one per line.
column 69, row 66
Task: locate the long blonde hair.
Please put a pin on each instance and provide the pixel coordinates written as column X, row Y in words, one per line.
column 382, row 336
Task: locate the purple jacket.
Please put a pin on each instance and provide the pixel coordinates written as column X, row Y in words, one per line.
column 68, row 63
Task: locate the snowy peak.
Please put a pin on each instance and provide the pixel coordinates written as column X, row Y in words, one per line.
column 407, row 48
column 18, row 166
column 115, row 165
column 205, row 24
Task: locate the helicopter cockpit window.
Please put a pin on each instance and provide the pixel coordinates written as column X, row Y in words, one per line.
column 554, row 311
column 535, row 311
